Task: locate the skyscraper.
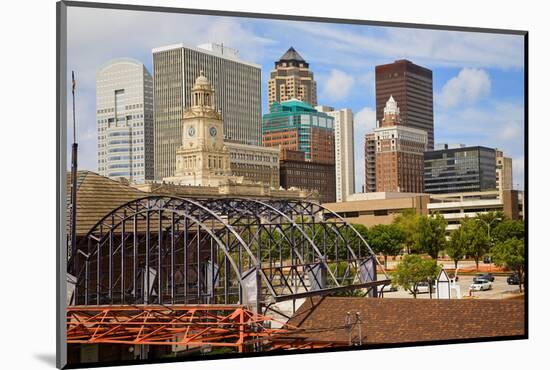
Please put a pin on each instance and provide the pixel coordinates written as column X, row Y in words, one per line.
column 411, row 87
column 459, row 169
column 291, row 79
column 238, row 96
column 296, row 125
column 124, row 115
column 306, row 139
column 399, row 153
column 343, row 150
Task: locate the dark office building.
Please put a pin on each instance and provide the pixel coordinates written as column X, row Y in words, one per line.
column 296, row 172
column 462, row 169
column 411, row 87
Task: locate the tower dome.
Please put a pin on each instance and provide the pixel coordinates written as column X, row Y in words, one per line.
column 202, row 80
column 202, row 93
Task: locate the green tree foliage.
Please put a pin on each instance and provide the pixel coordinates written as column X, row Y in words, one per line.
column 408, row 223
column 475, row 239
column 511, row 254
column 430, row 235
column 457, row 245
column 508, row 229
column 413, row 270
column 386, row 240
column 492, row 218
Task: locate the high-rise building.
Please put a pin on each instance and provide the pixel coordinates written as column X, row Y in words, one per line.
column 461, row 169
column 291, row 79
column 296, row 125
column 343, row 150
column 399, row 153
column 412, row 88
column 203, row 158
column 297, row 172
column 370, row 163
column 238, row 96
column 504, row 180
column 124, row 115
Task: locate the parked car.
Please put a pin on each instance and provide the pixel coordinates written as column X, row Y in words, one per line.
column 485, row 275
column 390, row 288
column 481, row 284
column 513, row 279
column 424, row 287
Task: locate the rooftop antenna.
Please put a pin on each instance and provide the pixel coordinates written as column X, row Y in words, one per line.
column 74, row 168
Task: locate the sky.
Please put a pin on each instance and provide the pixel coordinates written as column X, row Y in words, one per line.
column 478, row 78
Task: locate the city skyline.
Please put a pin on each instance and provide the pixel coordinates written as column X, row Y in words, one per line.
column 478, row 78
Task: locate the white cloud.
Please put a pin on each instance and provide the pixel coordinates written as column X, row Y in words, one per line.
column 494, row 125
column 470, row 85
column 337, row 85
column 364, row 122
column 440, row 48
column 95, row 36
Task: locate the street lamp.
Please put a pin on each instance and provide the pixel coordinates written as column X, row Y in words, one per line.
column 488, row 224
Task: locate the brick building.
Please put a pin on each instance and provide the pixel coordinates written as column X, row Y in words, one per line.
column 399, row 153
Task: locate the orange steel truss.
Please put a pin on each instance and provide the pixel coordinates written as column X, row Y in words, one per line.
column 183, row 325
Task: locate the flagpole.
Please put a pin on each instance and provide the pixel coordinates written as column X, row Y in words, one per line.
column 74, row 169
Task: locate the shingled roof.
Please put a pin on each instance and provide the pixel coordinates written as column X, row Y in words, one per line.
column 394, row 320
column 96, row 196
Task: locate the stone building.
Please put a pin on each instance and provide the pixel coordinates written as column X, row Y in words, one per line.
column 291, row 79
column 399, row 153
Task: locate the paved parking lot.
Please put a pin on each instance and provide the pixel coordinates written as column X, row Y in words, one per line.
column 500, row 289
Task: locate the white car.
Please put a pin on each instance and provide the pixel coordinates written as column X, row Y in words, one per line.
column 424, row 287
column 481, row 284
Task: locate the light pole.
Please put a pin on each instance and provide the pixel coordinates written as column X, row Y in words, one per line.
column 488, row 224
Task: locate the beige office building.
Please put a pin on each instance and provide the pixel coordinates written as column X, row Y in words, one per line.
column 455, row 207
column 291, row 79
column 255, row 163
column 124, row 117
column 504, row 179
column 376, row 208
column 343, row 150
column 238, row 96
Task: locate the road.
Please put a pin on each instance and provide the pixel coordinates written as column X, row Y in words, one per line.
column 500, row 289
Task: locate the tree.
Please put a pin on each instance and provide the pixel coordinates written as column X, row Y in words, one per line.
column 386, row 240
column 508, row 229
column 413, row 270
column 475, row 238
column 457, row 245
column 408, row 223
column 511, row 254
column 492, row 218
column 430, row 235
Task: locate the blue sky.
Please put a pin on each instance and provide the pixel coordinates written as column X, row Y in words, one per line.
column 478, row 78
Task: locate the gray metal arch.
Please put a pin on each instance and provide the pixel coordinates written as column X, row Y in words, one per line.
column 202, row 250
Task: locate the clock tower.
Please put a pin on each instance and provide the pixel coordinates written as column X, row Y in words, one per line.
column 203, row 158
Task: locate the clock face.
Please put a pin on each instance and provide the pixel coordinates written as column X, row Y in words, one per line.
column 213, row 131
column 191, row 131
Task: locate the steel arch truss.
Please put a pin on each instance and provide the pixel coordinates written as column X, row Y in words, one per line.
column 169, row 250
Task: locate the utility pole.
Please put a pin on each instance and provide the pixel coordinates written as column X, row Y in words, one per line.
column 74, row 169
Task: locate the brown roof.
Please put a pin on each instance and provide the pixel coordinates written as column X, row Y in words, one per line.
column 405, row 320
column 97, row 196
